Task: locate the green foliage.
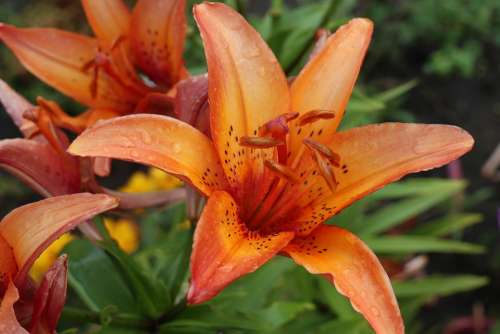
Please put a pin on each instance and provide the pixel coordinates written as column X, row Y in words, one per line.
column 145, row 291
column 454, row 37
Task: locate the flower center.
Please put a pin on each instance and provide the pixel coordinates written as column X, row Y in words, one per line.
column 293, row 187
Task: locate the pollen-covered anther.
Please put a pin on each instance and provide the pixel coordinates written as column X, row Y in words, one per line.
column 259, row 142
column 315, row 115
column 326, row 171
column 282, row 171
column 324, row 150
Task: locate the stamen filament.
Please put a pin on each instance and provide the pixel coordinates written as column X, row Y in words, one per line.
column 326, row 171
column 282, row 171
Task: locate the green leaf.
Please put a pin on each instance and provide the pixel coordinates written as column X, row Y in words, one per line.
column 168, row 259
column 252, row 291
column 413, row 244
column 204, row 317
column 156, row 224
column 419, row 186
column 151, row 295
column 356, row 326
column 395, row 214
column 438, row 285
column 337, row 303
column 279, row 313
column 294, row 45
column 397, row 92
column 97, row 291
column 447, row 225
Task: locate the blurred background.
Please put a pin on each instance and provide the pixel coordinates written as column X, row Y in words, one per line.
column 429, row 62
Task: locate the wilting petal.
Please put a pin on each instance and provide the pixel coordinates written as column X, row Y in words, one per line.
column 247, row 88
column 224, row 249
column 16, row 106
column 326, row 82
column 33, row 227
column 50, row 297
column 375, row 155
column 40, row 166
column 8, row 320
column 356, row 272
column 160, row 141
column 59, row 58
column 157, row 39
column 109, row 19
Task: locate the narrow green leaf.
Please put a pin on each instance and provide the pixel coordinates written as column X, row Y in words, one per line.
column 168, row 259
column 419, row 186
column 438, row 285
column 351, row 326
column 337, row 303
column 279, row 313
column 151, row 296
column 397, row 213
column 252, row 292
column 397, row 91
column 413, row 244
column 447, row 225
column 294, row 45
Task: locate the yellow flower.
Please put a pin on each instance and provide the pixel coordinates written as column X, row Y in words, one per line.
column 154, row 180
column 43, row 263
column 125, row 232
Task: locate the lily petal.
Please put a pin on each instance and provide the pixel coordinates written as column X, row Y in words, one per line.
column 247, row 88
column 157, row 39
column 8, row 320
column 109, row 19
column 40, row 166
column 59, row 59
column 16, row 106
column 356, row 272
column 160, row 141
column 191, row 102
column 224, row 249
column 8, row 265
column 50, row 297
column 33, row 227
column 375, row 155
column 326, row 82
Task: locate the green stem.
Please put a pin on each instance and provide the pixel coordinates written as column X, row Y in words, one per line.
column 332, row 6
column 79, row 316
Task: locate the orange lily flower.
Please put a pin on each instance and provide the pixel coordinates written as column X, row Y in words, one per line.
column 275, row 168
column 41, row 161
column 24, row 234
column 106, row 73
